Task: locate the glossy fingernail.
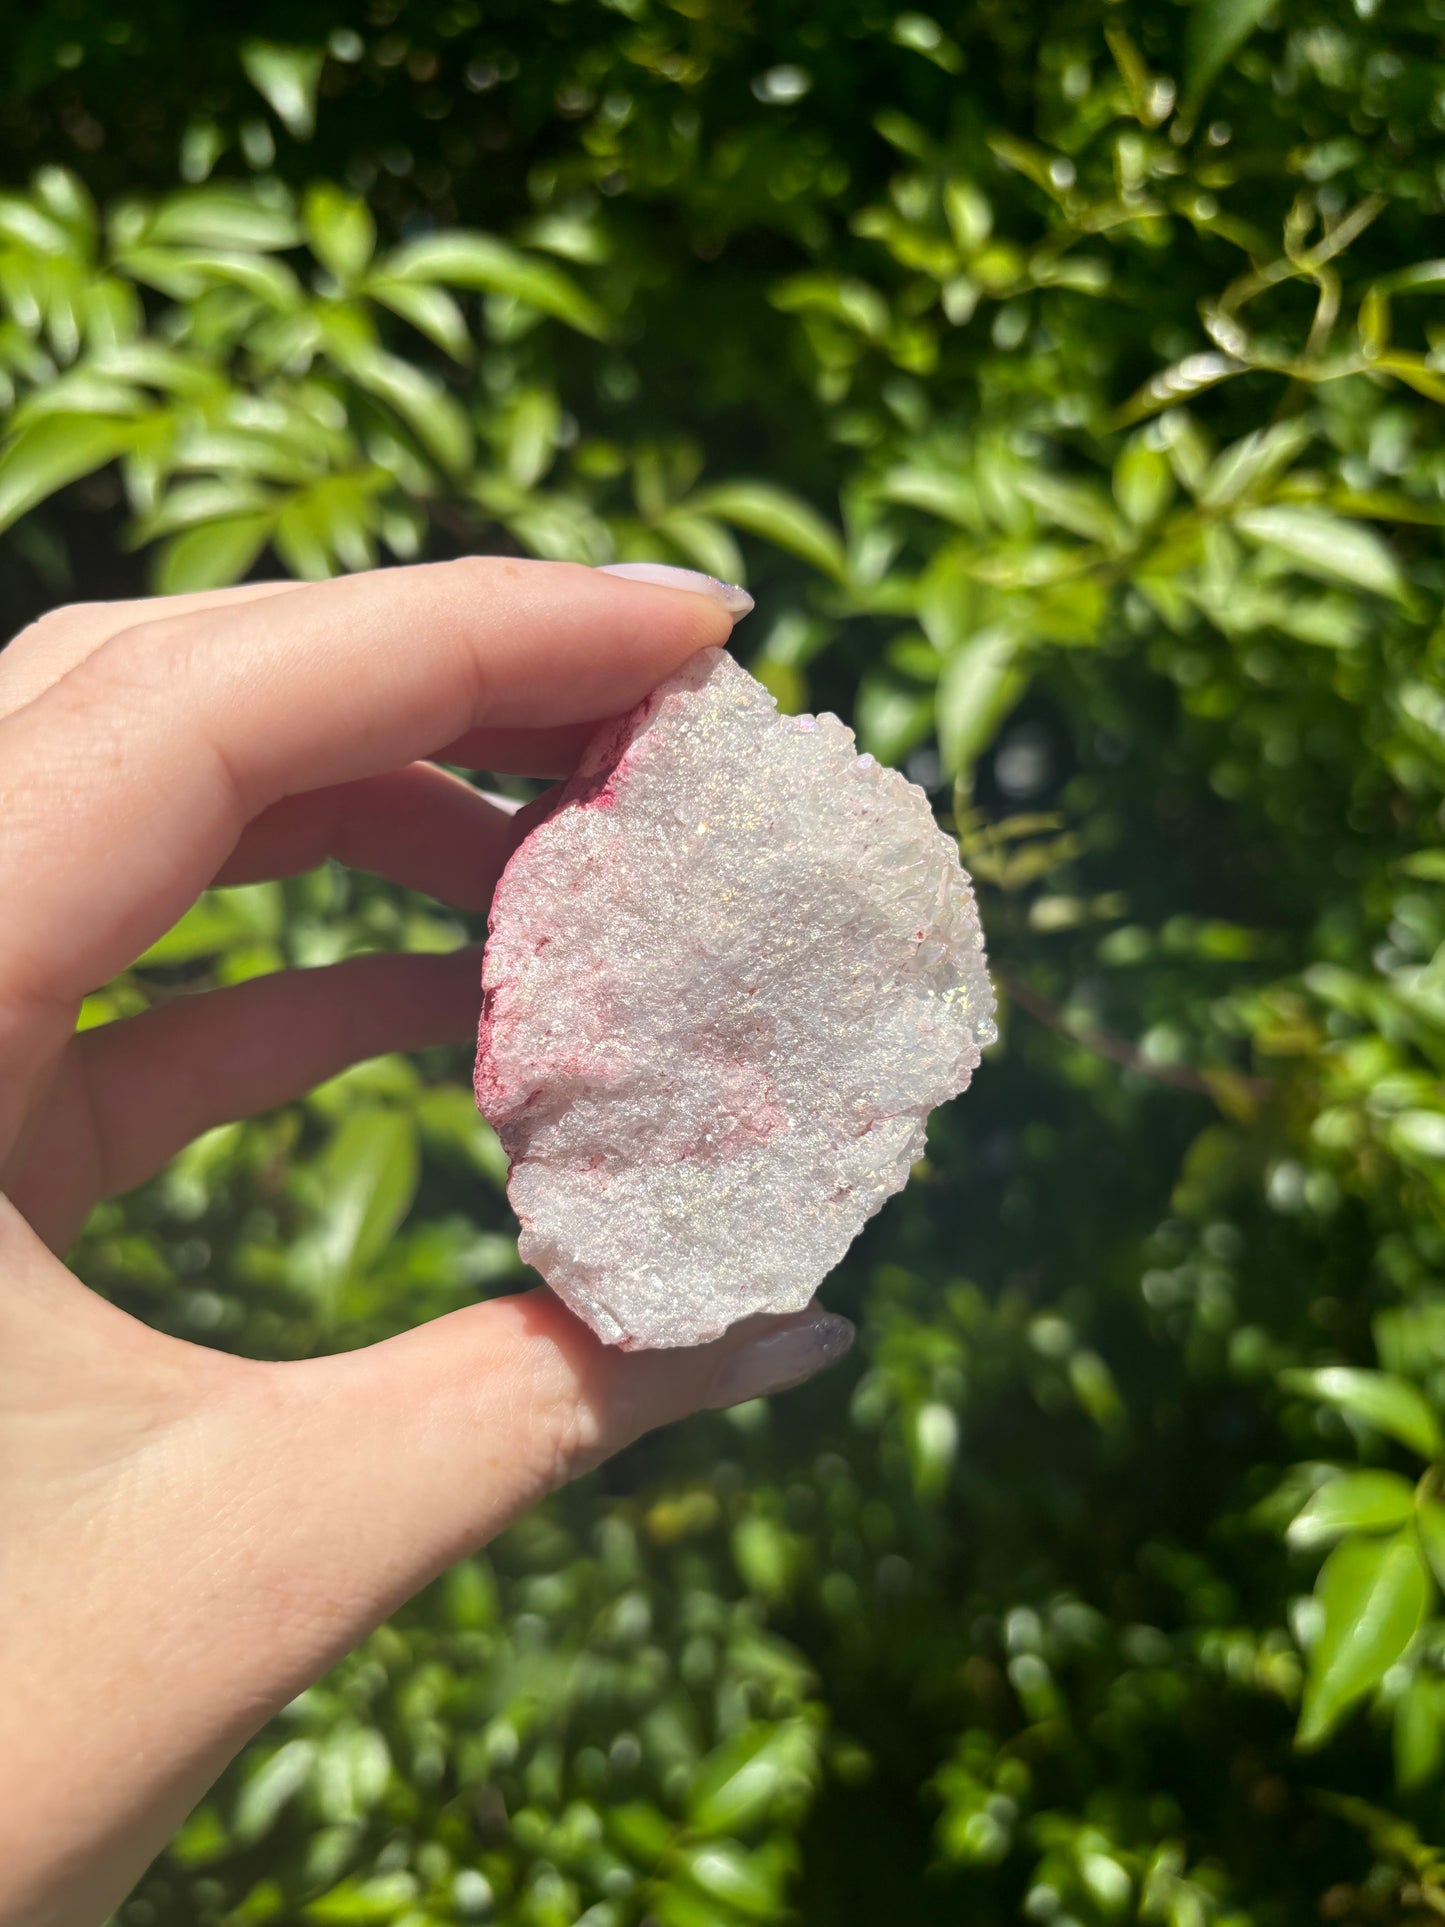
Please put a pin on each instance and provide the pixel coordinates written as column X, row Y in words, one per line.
column 777, row 1360
column 736, row 601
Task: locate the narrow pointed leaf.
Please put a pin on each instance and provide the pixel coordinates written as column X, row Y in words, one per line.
column 979, row 685
column 56, row 451
column 1391, row 1405
column 779, row 517
column 1326, row 545
column 286, row 79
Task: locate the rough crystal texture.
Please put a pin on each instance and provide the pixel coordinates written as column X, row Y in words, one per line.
column 728, row 977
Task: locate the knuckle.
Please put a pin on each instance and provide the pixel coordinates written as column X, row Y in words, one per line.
column 568, row 1436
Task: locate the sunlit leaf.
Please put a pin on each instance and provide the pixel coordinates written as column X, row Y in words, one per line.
column 431, row 310
column 56, row 451
column 1430, row 1524
column 725, row 1871
column 1419, row 1732
column 705, row 543
column 1326, row 545
column 740, row 1782
column 223, row 217
column 465, row 260
column 340, row 229
column 1187, row 378
column 1143, row 483
column 367, row 1177
column 1254, row 461
column 771, row 512
column 1081, row 507
column 1357, row 1501
column 212, row 554
column 287, row 79
column 1374, row 1593
column 270, row 1788
column 980, row 683
column 1387, row 1404
column 891, row 716
column 438, row 419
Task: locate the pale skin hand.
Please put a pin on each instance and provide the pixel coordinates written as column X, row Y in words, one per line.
column 186, row 1538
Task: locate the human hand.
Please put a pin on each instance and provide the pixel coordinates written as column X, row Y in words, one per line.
column 188, row 1538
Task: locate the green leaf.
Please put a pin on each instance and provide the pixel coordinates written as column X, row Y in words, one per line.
column 765, row 1555
column 22, row 221
column 724, row 1870
column 209, row 500
column 213, row 555
column 980, row 684
column 270, row 1788
column 368, row 1175
column 465, row 260
column 1179, row 383
column 1254, row 461
column 222, row 217
column 1327, row 546
column 1080, row 507
column 1217, row 30
column 218, row 921
column 1389, row 1405
column 54, row 452
column 1430, row 1524
column 286, row 79
column 270, row 281
column 1419, row 1733
column 340, row 229
column 891, row 716
column 81, row 392
column 431, row 310
column 1374, row 1593
column 705, row 543
column 1356, row 1502
column 528, row 431
column 740, row 1782
column 1143, row 483
column 438, row 419
column 780, row 518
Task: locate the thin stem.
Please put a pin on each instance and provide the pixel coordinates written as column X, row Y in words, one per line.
column 1118, row 1050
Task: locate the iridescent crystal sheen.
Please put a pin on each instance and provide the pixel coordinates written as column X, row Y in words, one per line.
column 727, row 980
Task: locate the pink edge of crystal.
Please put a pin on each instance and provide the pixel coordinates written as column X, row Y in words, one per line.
column 593, row 785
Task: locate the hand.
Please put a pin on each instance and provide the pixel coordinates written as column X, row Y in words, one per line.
column 187, row 1538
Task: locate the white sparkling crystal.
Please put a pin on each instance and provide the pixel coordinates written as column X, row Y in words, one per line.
column 727, row 980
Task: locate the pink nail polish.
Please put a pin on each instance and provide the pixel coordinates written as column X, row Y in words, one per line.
column 663, row 575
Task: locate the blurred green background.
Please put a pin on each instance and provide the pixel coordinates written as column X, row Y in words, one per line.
column 1065, row 380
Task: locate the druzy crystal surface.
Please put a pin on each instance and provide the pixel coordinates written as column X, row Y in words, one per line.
column 727, row 979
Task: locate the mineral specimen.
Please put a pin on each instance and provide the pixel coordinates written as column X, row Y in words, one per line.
column 727, row 979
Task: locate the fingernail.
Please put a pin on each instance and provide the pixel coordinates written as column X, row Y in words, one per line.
column 777, row 1360
column 736, row 601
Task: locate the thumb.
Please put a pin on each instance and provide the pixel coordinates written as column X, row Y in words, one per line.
column 415, row 1451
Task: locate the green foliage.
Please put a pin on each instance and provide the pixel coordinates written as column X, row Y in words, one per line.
column 1068, row 386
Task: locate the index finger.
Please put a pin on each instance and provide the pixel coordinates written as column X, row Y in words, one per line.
column 124, row 787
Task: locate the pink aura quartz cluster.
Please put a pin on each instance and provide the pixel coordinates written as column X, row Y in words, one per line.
column 727, row 979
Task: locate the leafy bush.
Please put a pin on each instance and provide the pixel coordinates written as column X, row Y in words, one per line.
column 1068, row 387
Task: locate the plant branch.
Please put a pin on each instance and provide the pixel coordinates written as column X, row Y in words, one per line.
column 1118, row 1050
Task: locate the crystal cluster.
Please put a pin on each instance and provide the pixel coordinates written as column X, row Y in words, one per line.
column 727, row 979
